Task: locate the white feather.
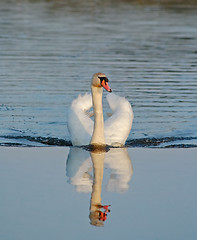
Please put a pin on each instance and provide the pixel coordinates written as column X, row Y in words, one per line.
column 116, row 128
column 80, row 126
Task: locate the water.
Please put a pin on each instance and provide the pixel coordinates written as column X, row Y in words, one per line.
column 49, row 51
column 56, row 193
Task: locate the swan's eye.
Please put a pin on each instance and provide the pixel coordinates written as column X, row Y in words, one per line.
column 103, row 78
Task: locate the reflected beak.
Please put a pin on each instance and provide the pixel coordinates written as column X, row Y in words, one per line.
column 106, row 86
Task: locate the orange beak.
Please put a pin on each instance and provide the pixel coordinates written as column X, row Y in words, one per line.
column 106, row 86
column 106, row 207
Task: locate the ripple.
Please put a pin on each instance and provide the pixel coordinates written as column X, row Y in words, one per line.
column 49, row 51
column 166, row 142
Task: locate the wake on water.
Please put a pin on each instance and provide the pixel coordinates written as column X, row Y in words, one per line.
column 164, row 142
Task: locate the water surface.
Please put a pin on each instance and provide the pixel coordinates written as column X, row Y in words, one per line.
column 49, row 51
column 57, row 193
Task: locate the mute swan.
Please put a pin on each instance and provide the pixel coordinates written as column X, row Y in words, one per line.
column 84, row 131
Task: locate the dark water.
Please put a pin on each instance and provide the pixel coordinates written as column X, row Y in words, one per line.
column 49, row 51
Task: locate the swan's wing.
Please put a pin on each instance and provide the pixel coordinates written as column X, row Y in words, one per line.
column 79, row 169
column 80, row 125
column 118, row 160
column 118, row 126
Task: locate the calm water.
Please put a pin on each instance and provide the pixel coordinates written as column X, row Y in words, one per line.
column 55, row 193
column 49, row 51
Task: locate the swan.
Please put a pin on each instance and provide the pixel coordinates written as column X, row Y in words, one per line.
column 114, row 131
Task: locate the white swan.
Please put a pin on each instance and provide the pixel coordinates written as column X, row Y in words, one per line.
column 84, row 131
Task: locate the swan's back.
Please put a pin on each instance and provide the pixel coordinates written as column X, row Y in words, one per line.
column 118, row 126
column 80, row 126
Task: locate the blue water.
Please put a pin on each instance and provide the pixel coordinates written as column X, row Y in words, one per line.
column 47, row 193
column 49, row 51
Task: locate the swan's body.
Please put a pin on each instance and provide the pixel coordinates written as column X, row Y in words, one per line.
column 114, row 131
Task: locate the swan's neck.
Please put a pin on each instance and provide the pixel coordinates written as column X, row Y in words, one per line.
column 98, row 132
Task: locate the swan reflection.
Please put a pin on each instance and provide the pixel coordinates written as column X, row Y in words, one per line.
column 85, row 171
column 79, row 169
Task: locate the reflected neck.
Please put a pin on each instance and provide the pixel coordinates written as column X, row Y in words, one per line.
column 98, row 164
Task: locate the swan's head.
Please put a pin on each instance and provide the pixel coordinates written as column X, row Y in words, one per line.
column 100, row 80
